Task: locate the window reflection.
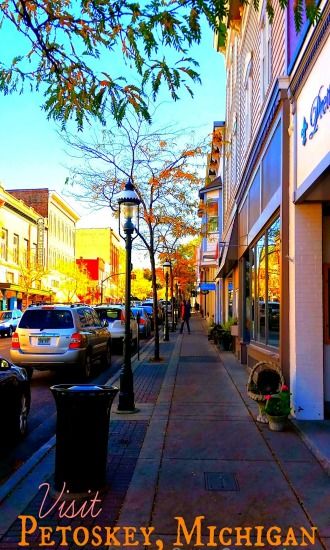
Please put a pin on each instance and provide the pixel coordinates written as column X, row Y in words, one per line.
column 261, row 290
column 263, row 312
column 273, row 278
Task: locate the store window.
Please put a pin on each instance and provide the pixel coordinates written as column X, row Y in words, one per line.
column 230, row 296
column 263, row 299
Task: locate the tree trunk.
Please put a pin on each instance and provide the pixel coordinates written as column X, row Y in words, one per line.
column 155, row 304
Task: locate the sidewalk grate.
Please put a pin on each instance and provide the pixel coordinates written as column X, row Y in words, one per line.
column 220, row 481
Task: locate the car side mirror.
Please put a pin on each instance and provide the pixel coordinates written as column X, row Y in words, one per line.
column 4, row 365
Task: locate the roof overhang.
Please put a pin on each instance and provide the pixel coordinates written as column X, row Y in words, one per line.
column 229, row 250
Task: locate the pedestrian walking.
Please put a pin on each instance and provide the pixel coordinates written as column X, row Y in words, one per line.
column 185, row 315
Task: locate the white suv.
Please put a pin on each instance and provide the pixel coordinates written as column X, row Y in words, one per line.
column 114, row 315
column 54, row 336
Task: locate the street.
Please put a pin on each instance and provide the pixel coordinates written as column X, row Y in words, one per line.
column 42, row 416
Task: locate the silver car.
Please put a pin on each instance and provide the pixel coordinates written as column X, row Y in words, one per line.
column 114, row 316
column 55, row 336
column 9, row 320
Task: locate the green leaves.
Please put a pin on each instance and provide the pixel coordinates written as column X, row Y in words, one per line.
column 69, row 43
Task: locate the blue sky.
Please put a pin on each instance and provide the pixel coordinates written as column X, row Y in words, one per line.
column 33, row 154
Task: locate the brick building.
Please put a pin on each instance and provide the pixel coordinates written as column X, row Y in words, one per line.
column 101, row 251
column 56, row 235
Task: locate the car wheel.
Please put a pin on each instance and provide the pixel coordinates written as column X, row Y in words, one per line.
column 20, row 420
column 86, row 369
column 106, row 357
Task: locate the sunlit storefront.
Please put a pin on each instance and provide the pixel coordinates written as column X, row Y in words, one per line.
column 309, row 253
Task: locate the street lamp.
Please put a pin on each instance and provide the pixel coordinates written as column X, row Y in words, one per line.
column 128, row 202
column 167, row 271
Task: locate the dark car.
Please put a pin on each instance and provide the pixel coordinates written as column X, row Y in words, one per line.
column 15, row 399
column 144, row 321
column 147, row 306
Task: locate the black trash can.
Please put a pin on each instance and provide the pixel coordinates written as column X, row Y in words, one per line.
column 83, row 415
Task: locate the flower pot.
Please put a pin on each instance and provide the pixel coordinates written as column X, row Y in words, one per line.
column 262, row 416
column 277, row 423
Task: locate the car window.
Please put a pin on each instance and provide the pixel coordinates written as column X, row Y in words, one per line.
column 46, row 319
column 96, row 319
column 89, row 318
column 110, row 314
column 5, row 315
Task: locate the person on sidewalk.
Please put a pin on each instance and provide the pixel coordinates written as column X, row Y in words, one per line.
column 185, row 315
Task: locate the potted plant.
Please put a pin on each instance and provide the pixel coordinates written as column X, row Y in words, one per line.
column 278, row 409
column 226, row 336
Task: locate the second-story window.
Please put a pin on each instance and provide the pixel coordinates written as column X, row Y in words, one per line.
column 265, row 54
column 15, row 248
column 212, row 216
column 4, row 244
column 25, row 253
column 248, row 99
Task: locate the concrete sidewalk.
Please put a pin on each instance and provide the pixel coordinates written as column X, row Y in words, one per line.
column 193, row 451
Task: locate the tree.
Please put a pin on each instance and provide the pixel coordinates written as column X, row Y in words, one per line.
column 164, row 174
column 183, row 262
column 141, row 286
column 66, row 47
column 75, row 280
column 31, row 275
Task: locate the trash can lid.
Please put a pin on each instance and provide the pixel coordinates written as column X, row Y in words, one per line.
column 85, row 387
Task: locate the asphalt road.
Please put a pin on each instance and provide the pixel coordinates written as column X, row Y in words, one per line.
column 42, row 417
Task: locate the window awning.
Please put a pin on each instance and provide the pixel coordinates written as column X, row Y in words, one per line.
column 229, row 249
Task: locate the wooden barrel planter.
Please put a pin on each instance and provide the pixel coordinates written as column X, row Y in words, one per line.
column 265, row 379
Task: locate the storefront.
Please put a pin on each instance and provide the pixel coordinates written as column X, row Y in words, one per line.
column 254, row 265
column 309, row 251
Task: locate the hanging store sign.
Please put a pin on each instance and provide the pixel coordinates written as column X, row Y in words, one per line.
column 207, row 286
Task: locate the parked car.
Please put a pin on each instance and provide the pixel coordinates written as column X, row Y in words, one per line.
column 57, row 336
column 9, row 320
column 15, row 399
column 144, row 321
column 148, row 307
column 114, row 315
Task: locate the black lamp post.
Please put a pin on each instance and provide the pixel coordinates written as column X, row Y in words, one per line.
column 167, row 271
column 128, row 202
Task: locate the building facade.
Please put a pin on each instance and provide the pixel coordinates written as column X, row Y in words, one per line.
column 253, row 251
column 210, row 213
column 56, row 237
column 274, row 259
column 309, row 214
column 21, row 254
column 102, row 247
